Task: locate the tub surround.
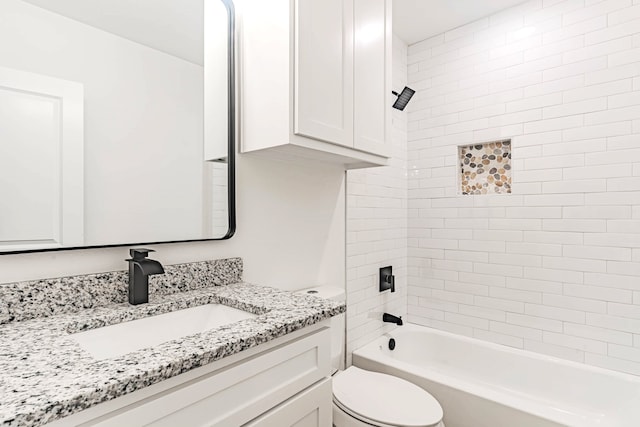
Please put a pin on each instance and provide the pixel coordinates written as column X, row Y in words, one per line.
column 552, row 267
column 46, row 375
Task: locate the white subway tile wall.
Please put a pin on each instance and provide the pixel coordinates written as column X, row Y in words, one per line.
column 553, row 267
column 377, row 230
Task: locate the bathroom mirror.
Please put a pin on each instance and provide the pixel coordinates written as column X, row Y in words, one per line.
column 116, row 122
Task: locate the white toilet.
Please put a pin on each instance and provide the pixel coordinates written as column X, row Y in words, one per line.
column 364, row 398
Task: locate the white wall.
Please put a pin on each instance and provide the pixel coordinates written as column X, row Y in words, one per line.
column 290, row 232
column 554, row 267
column 377, row 230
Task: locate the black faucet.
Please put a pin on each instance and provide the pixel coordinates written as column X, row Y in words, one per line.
column 140, row 268
column 386, row 317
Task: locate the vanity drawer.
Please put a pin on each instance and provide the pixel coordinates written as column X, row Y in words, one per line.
column 235, row 394
column 310, row 408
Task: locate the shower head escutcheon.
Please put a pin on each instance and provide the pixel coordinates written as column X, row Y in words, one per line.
column 403, row 98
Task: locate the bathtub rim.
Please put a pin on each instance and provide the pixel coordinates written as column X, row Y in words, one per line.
column 503, row 348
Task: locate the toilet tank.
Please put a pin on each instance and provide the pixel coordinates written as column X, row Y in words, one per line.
column 337, row 322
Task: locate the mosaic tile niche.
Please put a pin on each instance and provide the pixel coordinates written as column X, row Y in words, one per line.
column 485, row 168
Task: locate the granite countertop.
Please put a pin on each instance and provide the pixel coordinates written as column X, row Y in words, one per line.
column 44, row 375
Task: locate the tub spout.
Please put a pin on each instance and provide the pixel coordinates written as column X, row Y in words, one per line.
column 386, row 317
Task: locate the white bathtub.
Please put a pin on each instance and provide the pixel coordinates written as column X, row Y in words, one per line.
column 481, row 384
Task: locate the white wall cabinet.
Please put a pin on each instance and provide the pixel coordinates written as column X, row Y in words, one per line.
column 316, row 79
column 287, row 380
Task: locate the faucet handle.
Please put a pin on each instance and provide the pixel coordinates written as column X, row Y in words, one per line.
column 138, row 254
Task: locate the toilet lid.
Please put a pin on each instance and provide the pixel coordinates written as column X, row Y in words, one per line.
column 385, row 399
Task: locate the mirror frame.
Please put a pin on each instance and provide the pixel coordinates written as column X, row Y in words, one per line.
column 231, row 157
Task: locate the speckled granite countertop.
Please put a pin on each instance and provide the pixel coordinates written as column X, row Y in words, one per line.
column 44, row 375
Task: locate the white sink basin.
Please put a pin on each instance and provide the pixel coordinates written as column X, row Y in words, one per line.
column 122, row 338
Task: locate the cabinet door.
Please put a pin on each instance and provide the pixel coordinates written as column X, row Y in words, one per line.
column 323, row 61
column 372, row 70
column 310, row 408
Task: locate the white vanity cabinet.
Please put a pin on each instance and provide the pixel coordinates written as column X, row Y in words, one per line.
column 285, row 382
column 316, row 79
